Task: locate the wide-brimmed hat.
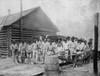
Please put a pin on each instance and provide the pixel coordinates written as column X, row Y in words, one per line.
column 72, row 38
column 68, row 37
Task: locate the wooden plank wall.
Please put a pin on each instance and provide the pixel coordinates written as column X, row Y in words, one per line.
column 4, row 33
column 15, row 34
column 9, row 34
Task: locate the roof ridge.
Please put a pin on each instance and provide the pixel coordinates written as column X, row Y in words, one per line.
column 22, row 11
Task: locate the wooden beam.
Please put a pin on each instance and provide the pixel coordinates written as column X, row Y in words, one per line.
column 21, row 20
column 95, row 62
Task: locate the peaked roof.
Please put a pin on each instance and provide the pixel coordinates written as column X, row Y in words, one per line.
column 40, row 21
column 13, row 17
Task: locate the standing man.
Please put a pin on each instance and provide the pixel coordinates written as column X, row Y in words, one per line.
column 20, row 48
column 60, row 48
column 29, row 52
column 23, row 52
column 90, row 43
column 72, row 48
column 66, row 48
column 14, row 48
column 34, row 51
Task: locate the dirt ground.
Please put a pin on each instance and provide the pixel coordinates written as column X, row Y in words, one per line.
column 8, row 68
column 85, row 70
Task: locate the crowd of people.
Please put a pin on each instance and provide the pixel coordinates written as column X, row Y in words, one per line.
column 36, row 50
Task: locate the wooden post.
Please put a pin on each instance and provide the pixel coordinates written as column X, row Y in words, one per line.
column 21, row 22
column 95, row 62
column 10, row 37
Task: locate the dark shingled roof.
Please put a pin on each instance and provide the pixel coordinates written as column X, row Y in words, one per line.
column 38, row 20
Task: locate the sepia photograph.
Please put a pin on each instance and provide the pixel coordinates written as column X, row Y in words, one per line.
column 49, row 37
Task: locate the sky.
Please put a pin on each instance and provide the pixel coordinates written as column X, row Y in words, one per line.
column 72, row 17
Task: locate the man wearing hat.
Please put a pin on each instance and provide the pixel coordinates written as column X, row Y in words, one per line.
column 72, row 47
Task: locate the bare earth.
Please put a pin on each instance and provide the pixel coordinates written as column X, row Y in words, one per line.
column 8, row 68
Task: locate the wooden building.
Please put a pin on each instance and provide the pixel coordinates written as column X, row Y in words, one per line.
column 34, row 23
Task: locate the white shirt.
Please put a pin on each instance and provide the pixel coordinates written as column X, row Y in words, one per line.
column 76, row 44
column 13, row 47
column 69, row 43
column 72, row 45
column 54, row 45
column 87, row 48
column 20, row 47
column 81, row 46
column 60, row 49
column 65, row 45
column 29, row 49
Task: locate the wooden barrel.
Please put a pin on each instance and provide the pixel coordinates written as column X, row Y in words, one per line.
column 51, row 62
column 62, row 53
column 52, row 73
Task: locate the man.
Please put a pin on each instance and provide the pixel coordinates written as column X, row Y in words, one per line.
column 40, row 47
column 20, row 46
column 72, row 48
column 47, row 45
column 60, row 48
column 54, row 47
column 66, row 48
column 91, row 47
column 59, row 42
column 29, row 52
column 23, row 52
column 44, row 48
column 14, row 48
column 81, row 46
column 90, row 43
column 34, row 51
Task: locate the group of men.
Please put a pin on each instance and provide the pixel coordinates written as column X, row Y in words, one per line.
column 36, row 50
